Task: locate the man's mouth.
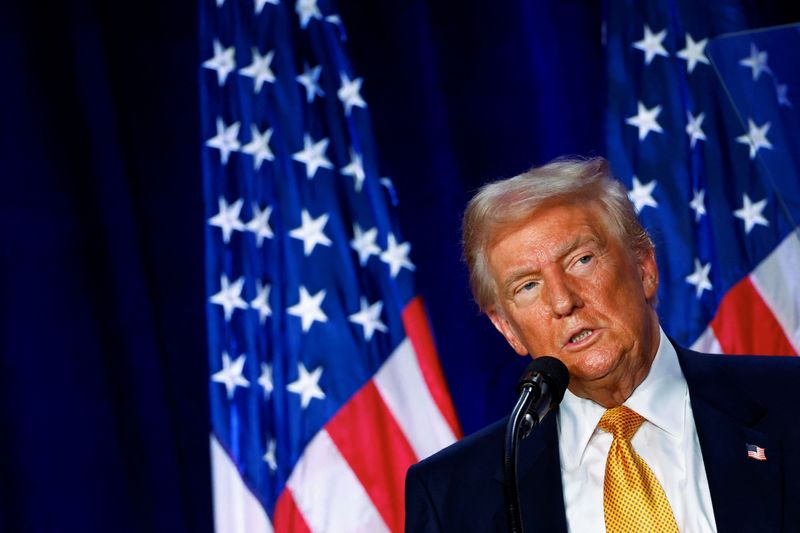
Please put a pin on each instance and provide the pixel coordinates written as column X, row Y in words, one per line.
column 581, row 336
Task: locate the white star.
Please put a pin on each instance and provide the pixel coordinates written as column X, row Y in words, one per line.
column 225, row 140
column 651, row 44
column 265, row 380
column 310, row 80
column 258, row 147
column 229, row 296
column 780, row 94
column 259, row 224
column 350, row 93
column 364, row 243
column 699, row 278
column 369, row 318
column 698, row 204
column 261, row 3
column 751, row 213
column 313, row 155
column 307, row 385
column 755, row 138
column 310, row 232
column 261, row 302
column 259, row 69
column 231, row 374
column 757, row 61
column 645, row 120
column 694, row 53
column 642, row 194
column 269, row 455
column 355, row 169
column 306, row 10
column 694, row 127
column 396, row 255
column 223, row 61
column 309, row 309
column 227, row 218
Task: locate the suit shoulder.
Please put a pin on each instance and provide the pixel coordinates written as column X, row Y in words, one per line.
column 768, row 380
column 758, row 367
column 442, row 491
column 469, row 450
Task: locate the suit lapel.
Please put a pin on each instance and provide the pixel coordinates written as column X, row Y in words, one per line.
column 539, row 477
column 745, row 492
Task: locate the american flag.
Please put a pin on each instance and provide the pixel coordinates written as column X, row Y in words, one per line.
column 703, row 128
column 756, row 452
column 325, row 384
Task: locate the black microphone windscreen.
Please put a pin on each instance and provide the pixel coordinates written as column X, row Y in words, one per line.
column 554, row 372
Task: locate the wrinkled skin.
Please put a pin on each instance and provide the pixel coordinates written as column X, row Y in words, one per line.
column 563, row 273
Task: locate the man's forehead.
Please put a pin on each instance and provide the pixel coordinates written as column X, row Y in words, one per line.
column 585, row 218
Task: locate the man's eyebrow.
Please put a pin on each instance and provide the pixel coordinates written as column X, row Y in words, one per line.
column 564, row 249
column 569, row 246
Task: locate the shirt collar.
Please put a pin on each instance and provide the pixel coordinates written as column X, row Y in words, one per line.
column 660, row 399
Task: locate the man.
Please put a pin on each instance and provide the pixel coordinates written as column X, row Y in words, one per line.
column 650, row 436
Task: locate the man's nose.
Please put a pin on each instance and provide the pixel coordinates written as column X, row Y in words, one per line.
column 561, row 295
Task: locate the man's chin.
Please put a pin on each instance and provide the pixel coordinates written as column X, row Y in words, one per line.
column 595, row 370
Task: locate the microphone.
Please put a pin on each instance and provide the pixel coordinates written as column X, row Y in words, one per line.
column 540, row 388
column 547, row 378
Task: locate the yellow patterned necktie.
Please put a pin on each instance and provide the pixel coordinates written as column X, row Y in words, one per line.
column 633, row 499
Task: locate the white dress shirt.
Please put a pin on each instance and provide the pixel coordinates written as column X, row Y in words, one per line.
column 667, row 441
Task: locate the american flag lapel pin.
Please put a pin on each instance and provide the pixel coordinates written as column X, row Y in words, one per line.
column 756, row 452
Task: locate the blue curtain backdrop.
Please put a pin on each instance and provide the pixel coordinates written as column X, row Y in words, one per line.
column 103, row 362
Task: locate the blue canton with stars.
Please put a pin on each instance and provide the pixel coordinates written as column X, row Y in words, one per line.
column 711, row 165
column 307, row 272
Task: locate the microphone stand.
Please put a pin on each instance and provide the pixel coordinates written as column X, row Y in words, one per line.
column 515, row 432
column 540, row 389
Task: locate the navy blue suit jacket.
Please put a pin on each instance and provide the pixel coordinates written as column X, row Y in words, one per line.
column 736, row 400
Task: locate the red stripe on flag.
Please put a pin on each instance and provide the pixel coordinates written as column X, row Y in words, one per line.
column 745, row 325
column 415, row 322
column 372, row 443
column 288, row 518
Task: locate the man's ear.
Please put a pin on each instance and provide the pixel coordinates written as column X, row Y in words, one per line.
column 649, row 270
column 504, row 327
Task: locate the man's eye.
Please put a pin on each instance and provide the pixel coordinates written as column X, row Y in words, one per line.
column 585, row 259
column 526, row 293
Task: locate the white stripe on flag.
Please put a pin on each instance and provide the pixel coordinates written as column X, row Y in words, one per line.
column 236, row 510
column 707, row 342
column 328, row 494
column 777, row 281
column 403, row 388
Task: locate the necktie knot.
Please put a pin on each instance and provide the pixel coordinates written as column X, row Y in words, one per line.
column 621, row 422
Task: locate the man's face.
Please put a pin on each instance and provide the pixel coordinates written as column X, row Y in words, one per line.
column 567, row 287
